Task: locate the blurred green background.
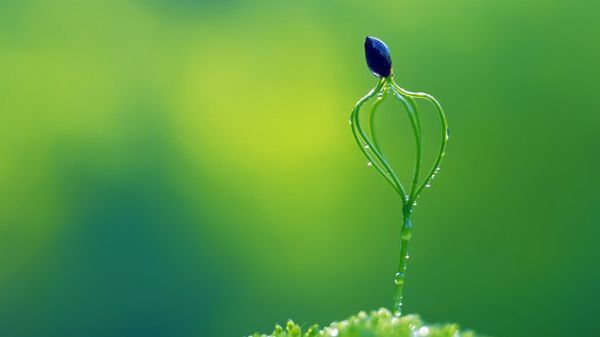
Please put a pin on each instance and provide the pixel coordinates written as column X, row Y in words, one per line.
column 185, row 168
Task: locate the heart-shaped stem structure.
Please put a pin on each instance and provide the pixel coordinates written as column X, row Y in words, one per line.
column 370, row 147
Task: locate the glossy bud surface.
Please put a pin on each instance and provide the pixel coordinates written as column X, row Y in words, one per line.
column 378, row 57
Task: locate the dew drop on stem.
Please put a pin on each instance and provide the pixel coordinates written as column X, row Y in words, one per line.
column 399, row 278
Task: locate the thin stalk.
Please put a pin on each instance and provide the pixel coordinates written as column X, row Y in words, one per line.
column 358, row 138
column 406, row 230
column 399, row 278
column 361, row 139
column 416, row 127
column 370, row 147
column 388, row 169
column 444, row 131
column 374, row 161
column 380, row 98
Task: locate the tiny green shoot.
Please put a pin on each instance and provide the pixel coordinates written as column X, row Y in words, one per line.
column 382, row 322
column 379, row 61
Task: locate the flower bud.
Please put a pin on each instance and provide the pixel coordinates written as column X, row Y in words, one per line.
column 378, row 57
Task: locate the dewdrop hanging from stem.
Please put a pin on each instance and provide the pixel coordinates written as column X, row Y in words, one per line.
column 380, row 64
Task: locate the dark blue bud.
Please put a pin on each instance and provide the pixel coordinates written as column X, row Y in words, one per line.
column 378, row 57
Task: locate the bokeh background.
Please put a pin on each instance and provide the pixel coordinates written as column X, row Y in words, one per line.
column 185, row 167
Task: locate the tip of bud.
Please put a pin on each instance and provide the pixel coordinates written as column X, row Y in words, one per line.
column 378, row 57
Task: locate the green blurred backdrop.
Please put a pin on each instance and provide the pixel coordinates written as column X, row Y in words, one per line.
column 185, row 167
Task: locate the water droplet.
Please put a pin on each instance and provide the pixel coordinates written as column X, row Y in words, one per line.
column 350, row 121
column 428, row 185
column 369, row 164
column 343, row 324
column 407, row 256
column 367, row 146
column 433, row 176
column 415, row 203
column 383, row 312
column 333, row 332
column 437, row 169
column 423, row 331
column 399, row 279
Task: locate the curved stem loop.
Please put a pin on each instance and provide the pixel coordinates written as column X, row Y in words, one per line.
column 371, row 148
column 444, row 130
column 370, row 151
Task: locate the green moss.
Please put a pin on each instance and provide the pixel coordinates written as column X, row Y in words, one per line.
column 381, row 323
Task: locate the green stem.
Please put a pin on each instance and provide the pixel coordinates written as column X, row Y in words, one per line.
column 415, row 122
column 389, row 174
column 444, row 131
column 399, row 278
column 377, row 154
column 369, row 146
column 355, row 126
column 380, row 98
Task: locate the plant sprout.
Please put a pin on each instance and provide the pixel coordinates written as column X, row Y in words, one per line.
column 382, row 322
column 380, row 63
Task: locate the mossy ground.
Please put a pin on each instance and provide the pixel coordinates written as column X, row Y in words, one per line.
column 380, row 323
